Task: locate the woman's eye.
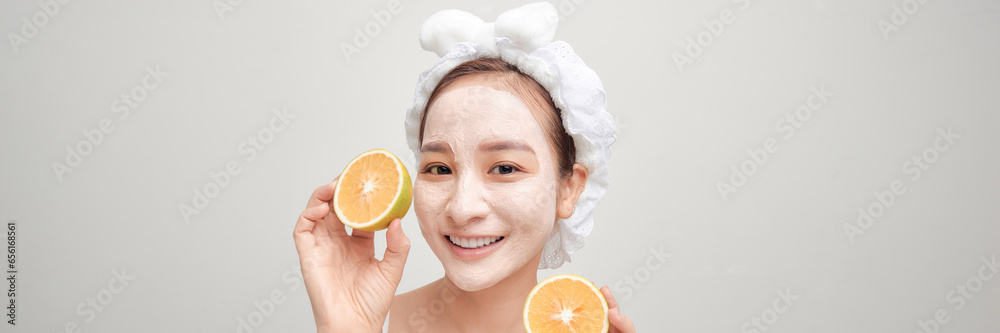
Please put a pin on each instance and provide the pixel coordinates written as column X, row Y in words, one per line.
column 503, row 169
column 439, row 170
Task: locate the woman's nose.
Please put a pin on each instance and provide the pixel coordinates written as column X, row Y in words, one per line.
column 467, row 204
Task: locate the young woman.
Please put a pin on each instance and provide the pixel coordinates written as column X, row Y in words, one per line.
column 512, row 140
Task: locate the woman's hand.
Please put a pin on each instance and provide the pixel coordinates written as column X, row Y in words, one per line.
column 619, row 323
column 349, row 289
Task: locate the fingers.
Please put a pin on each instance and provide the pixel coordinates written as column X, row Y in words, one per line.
column 316, row 212
column 319, row 203
column 323, row 194
column 396, row 250
column 303, row 235
column 612, row 302
column 619, row 323
column 317, row 208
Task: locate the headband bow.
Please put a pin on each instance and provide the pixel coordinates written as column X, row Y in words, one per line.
column 529, row 27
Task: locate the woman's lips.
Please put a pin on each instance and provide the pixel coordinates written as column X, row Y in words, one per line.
column 472, row 248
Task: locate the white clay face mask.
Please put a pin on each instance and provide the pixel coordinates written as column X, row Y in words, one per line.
column 485, row 193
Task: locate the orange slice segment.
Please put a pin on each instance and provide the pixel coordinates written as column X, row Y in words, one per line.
column 373, row 190
column 566, row 303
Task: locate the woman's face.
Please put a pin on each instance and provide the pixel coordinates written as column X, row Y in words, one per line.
column 485, row 194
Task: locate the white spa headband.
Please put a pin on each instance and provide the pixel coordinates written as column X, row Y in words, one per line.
column 523, row 37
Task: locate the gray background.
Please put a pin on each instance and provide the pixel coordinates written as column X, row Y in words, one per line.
column 679, row 131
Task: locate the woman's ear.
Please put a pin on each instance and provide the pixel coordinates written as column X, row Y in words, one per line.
column 570, row 191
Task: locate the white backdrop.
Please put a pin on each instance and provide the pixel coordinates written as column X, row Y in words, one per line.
column 746, row 155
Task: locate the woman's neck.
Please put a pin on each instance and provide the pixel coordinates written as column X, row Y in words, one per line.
column 497, row 308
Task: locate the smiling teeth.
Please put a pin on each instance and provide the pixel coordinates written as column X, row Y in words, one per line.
column 472, row 243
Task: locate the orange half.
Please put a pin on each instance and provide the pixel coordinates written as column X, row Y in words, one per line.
column 566, row 303
column 373, row 190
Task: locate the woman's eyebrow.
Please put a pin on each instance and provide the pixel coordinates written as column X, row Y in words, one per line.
column 435, row 146
column 502, row 145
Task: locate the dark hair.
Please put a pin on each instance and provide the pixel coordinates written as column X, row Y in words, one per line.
column 505, row 76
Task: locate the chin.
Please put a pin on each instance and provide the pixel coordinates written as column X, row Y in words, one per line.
column 473, row 282
column 474, row 269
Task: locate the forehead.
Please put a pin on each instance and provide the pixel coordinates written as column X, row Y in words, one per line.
column 471, row 108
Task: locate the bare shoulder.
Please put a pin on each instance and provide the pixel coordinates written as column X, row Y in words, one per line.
column 404, row 314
